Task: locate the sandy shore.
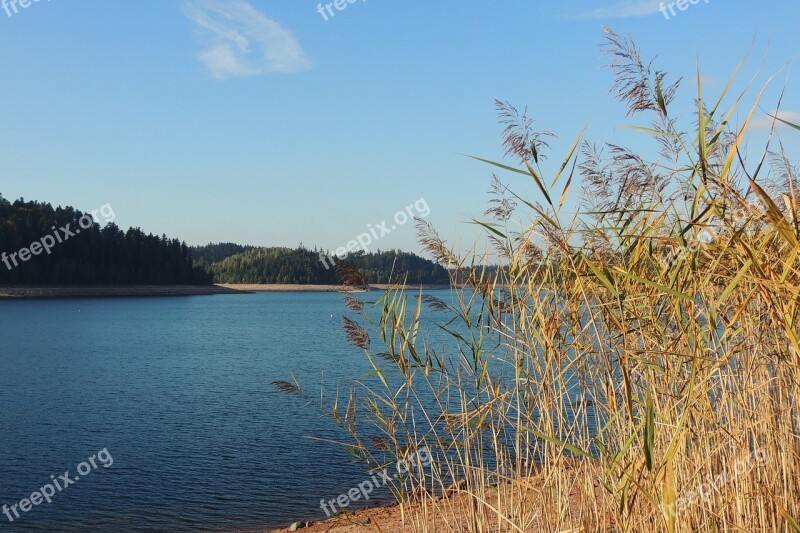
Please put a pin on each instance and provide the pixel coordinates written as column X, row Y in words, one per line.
column 375, row 520
column 451, row 513
column 314, row 288
column 11, row 292
column 100, row 291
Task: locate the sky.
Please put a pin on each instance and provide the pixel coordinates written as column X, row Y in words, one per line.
column 281, row 122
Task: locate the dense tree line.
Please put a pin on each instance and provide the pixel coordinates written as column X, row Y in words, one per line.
column 214, row 253
column 396, row 266
column 302, row 266
column 84, row 253
column 42, row 245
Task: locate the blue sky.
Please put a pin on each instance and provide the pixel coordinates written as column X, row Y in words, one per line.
column 261, row 122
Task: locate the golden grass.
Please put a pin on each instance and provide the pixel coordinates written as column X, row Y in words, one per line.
column 635, row 368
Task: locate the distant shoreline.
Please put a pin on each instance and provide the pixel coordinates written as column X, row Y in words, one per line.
column 28, row 292
column 38, row 292
column 250, row 287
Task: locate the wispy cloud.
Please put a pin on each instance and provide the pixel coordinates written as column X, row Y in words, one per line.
column 241, row 41
column 624, row 9
column 766, row 122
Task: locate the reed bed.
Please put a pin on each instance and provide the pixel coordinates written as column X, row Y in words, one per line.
column 632, row 366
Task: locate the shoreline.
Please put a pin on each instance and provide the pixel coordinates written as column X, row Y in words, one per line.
column 42, row 292
column 253, row 287
column 362, row 520
column 38, row 292
column 445, row 512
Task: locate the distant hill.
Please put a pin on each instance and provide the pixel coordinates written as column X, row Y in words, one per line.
column 303, row 266
column 42, row 245
column 214, row 253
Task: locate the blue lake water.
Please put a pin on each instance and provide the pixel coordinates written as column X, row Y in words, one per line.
column 178, row 391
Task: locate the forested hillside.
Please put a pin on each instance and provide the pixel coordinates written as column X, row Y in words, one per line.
column 293, row 266
column 214, row 253
column 43, row 245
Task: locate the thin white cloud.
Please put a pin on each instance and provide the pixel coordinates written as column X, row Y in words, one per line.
column 766, row 122
column 240, row 41
column 624, row 9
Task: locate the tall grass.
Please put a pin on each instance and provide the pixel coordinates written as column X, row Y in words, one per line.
column 634, row 366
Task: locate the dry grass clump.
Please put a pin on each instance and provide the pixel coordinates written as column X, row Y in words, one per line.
column 635, row 368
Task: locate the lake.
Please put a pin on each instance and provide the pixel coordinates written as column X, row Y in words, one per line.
column 178, row 392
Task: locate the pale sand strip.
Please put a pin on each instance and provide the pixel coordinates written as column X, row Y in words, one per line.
column 12, row 292
column 452, row 513
column 316, row 288
column 31, row 292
